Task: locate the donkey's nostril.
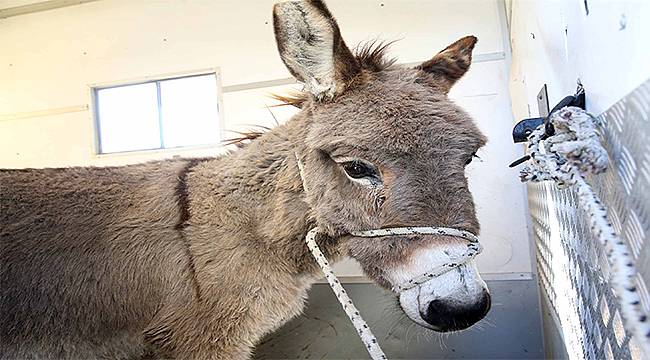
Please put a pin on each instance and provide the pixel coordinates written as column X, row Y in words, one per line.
column 448, row 316
column 439, row 314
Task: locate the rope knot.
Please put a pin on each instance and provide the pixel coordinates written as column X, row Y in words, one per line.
column 574, row 149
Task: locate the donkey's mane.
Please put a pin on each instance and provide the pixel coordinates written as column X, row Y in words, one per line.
column 245, row 136
column 371, row 56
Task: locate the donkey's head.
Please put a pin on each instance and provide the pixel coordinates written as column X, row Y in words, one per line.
column 382, row 146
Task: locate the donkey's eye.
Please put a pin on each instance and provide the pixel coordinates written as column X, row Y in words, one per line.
column 469, row 160
column 358, row 170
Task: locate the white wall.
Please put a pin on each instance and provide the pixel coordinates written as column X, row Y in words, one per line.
column 7, row 4
column 48, row 60
column 556, row 43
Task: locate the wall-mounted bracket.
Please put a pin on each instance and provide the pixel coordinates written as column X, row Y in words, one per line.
column 525, row 127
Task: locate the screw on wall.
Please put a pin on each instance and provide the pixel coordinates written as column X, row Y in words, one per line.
column 622, row 22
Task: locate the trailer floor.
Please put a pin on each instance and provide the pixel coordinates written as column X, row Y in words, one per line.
column 512, row 329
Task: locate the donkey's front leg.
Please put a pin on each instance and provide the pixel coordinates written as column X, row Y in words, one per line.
column 197, row 331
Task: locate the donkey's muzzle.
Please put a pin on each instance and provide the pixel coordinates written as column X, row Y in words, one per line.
column 445, row 315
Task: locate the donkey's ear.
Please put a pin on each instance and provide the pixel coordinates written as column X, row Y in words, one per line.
column 452, row 63
column 310, row 44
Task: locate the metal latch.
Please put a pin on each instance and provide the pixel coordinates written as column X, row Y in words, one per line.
column 525, row 127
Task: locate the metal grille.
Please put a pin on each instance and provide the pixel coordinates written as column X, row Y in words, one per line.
column 572, row 265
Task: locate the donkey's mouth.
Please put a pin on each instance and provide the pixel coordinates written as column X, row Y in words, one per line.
column 451, row 302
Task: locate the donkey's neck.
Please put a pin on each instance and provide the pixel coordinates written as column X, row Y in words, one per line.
column 265, row 176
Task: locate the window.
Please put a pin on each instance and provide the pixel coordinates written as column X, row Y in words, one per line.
column 158, row 114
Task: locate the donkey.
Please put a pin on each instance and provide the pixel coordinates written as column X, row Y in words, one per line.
column 200, row 258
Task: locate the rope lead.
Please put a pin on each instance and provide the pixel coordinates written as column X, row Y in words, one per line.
column 369, row 340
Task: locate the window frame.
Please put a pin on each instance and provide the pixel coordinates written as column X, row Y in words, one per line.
column 94, row 88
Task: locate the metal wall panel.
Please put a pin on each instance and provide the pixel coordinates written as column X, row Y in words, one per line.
column 572, row 265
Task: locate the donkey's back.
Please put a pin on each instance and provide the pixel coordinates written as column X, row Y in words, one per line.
column 88, row 253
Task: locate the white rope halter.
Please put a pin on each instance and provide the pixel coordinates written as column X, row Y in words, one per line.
column 566, row 157
column 376, row 353
column 473, row 248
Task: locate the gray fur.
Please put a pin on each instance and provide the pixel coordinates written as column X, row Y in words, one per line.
column 200, row 258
